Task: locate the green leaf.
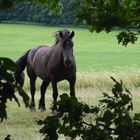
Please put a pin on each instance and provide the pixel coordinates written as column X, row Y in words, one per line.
column 7, row 63
column 108, row 116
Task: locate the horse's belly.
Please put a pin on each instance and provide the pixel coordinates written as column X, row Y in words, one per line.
column 40, row 71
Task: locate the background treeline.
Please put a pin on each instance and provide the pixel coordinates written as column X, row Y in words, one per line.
column 35, row 12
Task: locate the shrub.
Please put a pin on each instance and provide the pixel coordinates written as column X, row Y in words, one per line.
column 110, row 120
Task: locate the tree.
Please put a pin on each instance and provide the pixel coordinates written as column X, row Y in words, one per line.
column 101, row 15
column 35, row 12
column 55, row 5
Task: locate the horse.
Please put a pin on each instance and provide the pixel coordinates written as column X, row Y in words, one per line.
column 51, row 63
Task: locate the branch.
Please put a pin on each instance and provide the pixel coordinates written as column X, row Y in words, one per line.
column 138, row 32
column 88, row 124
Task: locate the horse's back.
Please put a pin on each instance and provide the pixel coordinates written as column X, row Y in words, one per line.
column 38, row 59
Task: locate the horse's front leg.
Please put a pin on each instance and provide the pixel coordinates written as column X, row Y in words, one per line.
column 55, row 95
column 72, row 86
column 44, row 86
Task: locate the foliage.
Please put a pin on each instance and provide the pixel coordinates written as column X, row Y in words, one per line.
column 55, row 5
column 7, row 137
column 4, row 4
column 36, row 12
column 110, row 120
column 101, row 15
column 8, row 86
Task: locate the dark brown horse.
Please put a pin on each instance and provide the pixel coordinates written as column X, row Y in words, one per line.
column 50, row 63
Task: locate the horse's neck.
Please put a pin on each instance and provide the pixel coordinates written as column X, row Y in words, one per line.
column 57, row 51
column 58, row 48
column 57, row 54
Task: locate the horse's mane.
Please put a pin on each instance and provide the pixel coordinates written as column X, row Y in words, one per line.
column 65, row 32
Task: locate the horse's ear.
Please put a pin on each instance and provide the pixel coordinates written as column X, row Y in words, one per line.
column 61, row 34
column 72, row 34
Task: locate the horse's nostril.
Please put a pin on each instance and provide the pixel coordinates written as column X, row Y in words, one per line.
column 67, row 62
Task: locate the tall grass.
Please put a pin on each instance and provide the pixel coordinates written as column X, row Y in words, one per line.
column 97, row 80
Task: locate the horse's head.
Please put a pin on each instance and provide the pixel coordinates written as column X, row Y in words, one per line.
column 58, row 38
column 67, row 48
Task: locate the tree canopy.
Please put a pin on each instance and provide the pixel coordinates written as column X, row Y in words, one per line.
column 38, row 13
column 101, row 15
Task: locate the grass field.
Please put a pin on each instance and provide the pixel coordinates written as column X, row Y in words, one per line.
column 93, row 52
column 98, row 56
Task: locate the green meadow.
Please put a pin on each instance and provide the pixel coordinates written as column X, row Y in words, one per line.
column 93, row 52
column 98, row 56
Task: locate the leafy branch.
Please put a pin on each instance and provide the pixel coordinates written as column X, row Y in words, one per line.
column 8, row 86
column 110, row 120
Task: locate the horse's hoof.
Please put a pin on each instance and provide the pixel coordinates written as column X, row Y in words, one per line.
column 42, row 109
column 32, row 109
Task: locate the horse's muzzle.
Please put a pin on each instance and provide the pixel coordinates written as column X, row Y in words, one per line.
column 67, row 63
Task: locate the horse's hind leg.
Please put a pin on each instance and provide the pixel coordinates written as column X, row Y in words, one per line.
column 44, row 86
column 32, row 77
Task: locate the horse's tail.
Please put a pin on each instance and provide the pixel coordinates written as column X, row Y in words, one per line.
column 21, row 64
